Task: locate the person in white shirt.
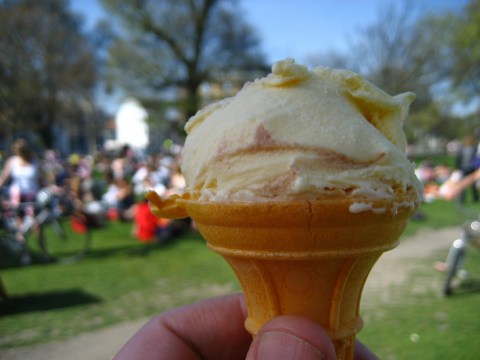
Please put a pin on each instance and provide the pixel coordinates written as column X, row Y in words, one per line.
column 22, row 172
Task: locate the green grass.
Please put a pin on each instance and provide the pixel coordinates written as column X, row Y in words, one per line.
column 440, row 214
column 421, row 323
column 122, row 280
column 437, row 159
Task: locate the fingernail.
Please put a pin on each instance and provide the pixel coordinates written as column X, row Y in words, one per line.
column 279, row 345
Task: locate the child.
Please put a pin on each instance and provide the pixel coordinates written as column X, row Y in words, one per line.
column 147, row 227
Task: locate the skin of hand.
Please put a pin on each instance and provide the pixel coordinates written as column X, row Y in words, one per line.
column 213, row 329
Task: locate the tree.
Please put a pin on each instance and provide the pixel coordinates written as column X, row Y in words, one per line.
column 454, row 39
column 46, row 66
column 465, row 51
column 400, row 52
column 170, row 48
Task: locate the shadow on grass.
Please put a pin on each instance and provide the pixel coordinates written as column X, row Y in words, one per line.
column 135, row 249
column 98, row 251
column 466, row 288
column 144, row 249
column 46, row 301
column 9, row 261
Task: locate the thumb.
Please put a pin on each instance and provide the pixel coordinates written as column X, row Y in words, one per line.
column 291, row 337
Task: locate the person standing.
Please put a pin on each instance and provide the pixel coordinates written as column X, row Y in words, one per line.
column 465, row 163
column 22, row 172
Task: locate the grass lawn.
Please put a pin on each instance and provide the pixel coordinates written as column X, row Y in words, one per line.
column 421, row 323
column 122, row 279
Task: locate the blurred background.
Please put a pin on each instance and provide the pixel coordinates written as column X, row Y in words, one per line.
column 100, row 90
column 71, row 71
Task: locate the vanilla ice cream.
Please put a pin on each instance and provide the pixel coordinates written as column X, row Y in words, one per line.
column 300, row 134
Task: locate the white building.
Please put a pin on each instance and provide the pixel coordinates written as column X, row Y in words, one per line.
column 131, row 125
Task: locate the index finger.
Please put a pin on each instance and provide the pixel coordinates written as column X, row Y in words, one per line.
column 209, row 329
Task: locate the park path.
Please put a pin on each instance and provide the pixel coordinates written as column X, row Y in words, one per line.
column 392, row 268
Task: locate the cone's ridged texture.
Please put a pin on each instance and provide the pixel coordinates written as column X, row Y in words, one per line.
column 307, row 258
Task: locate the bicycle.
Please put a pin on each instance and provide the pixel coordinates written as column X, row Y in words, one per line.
column 46, row 224
column 454, row 264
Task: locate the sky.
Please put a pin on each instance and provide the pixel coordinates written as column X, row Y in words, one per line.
column 299, row 28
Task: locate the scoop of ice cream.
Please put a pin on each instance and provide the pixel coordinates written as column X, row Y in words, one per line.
column 300, row 134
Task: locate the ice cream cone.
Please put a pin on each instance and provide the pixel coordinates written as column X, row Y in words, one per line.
column 251, row 162
column 306, row 258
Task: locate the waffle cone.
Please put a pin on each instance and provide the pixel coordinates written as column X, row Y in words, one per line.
column 308, row 258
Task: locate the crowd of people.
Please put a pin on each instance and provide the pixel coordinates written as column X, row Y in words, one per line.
column 114, row 183
column 105, row 185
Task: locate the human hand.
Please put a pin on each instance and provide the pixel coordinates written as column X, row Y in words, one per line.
column 214, row 329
